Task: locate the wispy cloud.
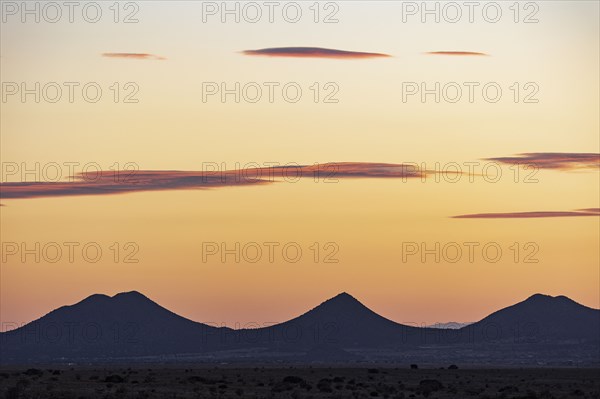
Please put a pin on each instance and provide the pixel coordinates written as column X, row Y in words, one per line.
column 596, row 210
column 554, row 160
column 135, row 56
column 312, row 52
column 457, row 53
column 533, row 214
column 106, row 183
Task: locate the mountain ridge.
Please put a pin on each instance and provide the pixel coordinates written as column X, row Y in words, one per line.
column 130, row 325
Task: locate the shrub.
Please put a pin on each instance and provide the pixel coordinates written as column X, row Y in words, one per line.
column 324, row 385
column 114, row 378
column 34, row 372
column 428, row 386
column 292, row 379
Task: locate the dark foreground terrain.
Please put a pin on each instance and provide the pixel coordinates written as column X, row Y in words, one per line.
column 296, row 382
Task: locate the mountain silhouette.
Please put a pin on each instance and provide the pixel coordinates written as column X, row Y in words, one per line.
column 540, row 318
column 125, row 325
column 130, row 327
column 342, row 322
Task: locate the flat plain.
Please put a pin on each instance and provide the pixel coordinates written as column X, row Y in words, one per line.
column 193, row 381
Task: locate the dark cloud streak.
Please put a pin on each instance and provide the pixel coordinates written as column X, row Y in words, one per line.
column 312, row 52
column 554, row 160
column 136, row 56
column 533, row 214
column 106, row 183
column 458, row 53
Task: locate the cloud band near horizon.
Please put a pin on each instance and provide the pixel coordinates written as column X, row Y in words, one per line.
column 553, row 160
column 107, row 182
column 533, row 214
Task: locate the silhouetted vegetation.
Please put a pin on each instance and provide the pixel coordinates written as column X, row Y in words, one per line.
column 298, row 383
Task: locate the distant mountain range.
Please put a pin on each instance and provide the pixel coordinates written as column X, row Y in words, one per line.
column 129, row 327
column 452, row 325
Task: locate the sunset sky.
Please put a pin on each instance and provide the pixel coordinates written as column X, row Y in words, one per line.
column 370, row 210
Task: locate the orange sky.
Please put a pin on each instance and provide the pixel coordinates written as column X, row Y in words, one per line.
column 367, row 217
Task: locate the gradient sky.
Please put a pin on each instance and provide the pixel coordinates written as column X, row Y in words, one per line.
column 170, row 53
